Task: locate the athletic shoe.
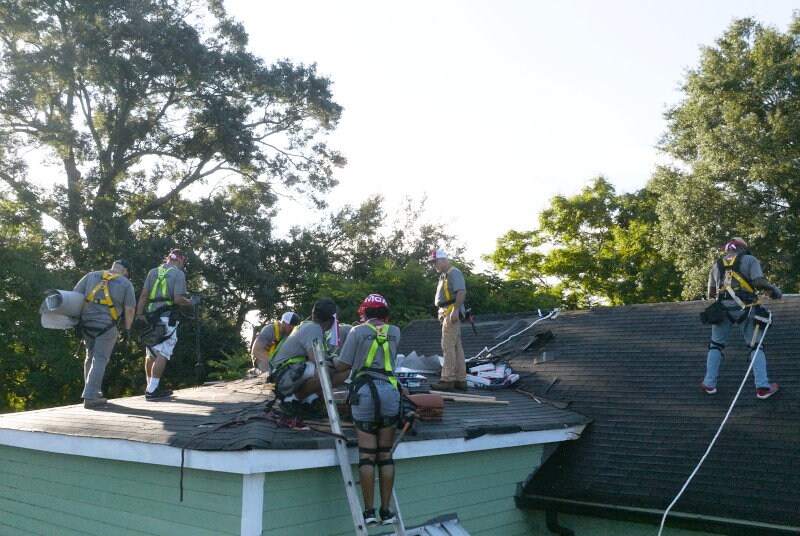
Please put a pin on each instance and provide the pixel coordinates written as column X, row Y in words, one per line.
column 158, row 394
column 766, row 392
column 91, row 403
column 387, row 517
column 370, row 519
column 707, row 389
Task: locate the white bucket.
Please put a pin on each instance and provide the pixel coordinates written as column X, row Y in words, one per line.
column 61, row 309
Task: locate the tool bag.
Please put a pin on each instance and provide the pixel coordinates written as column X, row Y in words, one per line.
column 714, row 313
column 150, row 332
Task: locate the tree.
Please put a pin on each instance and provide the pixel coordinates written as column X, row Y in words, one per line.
column 735, row 137
column 139, row 101
column 595, row 247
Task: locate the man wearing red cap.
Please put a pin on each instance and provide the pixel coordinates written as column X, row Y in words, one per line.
column 164, row 289
column 369, row 352
column 733, row 281
column 450, row 295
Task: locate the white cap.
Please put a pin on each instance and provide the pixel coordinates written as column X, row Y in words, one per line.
column 437, row 254
column 290, row 318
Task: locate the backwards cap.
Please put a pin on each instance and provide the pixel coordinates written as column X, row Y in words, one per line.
column 736, row 243
column 373, row 301
column 176, row 255
column 290, row 318
column 124, row 263
column 437, row 254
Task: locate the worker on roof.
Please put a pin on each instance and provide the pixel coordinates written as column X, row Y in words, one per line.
column 368, row 356
column 450, row 295
column 293, row 367
column 267, row 342
column 733, row 281
column 109, row 295
column 164, row 290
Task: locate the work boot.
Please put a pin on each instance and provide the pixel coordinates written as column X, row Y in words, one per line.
column 460, row 386
column 91, row 403
column 442, row 386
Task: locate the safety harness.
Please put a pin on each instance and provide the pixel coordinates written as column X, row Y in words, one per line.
column 106, row 300
column 449, row 301
column 160, row 285
column 92, row 332
column 736, row 287
column 366, row 375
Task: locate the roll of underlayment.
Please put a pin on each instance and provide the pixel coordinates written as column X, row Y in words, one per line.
column 61, row 309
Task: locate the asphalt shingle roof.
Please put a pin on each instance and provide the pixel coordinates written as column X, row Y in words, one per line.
column 636, row 370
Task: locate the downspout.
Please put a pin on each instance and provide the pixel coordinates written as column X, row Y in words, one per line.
column 551, row 516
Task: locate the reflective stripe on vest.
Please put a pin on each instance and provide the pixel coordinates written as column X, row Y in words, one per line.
column 380, row 340
column 162, row 278
column 103, row 284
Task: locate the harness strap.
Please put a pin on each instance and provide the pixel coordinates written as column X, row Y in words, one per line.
column 160, row 284
column 382, row 341
column 449, row 302
column 730, row 267
column 106, row 300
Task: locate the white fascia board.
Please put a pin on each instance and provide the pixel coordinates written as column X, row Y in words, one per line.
column 263, row 460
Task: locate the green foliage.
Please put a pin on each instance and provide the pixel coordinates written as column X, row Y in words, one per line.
column 735, row 133
column 595, row 247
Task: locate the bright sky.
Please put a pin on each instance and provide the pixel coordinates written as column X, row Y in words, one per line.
column 494, row 107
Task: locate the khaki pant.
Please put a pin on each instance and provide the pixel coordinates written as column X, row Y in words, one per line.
column 454, row 368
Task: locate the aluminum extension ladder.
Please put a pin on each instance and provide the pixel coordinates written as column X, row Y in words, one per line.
column 341, row 450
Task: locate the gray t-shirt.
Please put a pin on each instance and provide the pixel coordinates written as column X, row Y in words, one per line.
column 176, row 285
column 749, row 268
column 455, row 282
column 359, row 342
column 299, row 343
column 267, row 335
column 97, row 314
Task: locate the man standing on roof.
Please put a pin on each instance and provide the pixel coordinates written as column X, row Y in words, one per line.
column 267, row 342
column 109, row 294
column 450, row 295
column 369, row 352
column 732, row 281
column 293, row 367
column 164, row 290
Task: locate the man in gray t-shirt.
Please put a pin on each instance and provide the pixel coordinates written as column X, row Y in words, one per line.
column 293, row 367
column 109, row 296
column 450, row 295
column 733, row 281
column 164, row 289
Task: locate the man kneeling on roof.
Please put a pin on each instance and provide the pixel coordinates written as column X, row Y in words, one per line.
column 293, row 366
column 369, row 352
column 268, row 341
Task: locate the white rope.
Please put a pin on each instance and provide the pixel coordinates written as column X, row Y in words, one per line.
column 713, row 441
column 552, row 314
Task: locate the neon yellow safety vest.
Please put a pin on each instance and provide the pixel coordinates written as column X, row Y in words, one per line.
column 161, row 282
column 380, row 340
column 106, row 300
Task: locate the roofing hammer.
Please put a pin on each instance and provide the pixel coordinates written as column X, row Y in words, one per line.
column 410, row 416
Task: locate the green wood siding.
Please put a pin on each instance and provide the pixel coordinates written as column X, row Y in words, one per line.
column 478, row 486
column 60, row 495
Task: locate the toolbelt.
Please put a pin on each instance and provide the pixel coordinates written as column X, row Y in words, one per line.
column 151, row 331
column 714, row 313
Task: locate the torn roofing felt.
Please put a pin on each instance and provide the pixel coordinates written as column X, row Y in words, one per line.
column 636, row 371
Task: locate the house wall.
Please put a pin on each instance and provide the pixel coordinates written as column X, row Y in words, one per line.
column 478, row 486
column 47, row 494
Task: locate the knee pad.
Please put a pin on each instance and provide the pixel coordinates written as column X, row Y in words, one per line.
column 369, row 459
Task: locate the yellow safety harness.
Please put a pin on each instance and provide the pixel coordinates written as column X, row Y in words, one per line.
column 275, row 342
column 449, row 302
column 382, row 341
column 160, row 284
column 730, row 266
column 106, row 300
